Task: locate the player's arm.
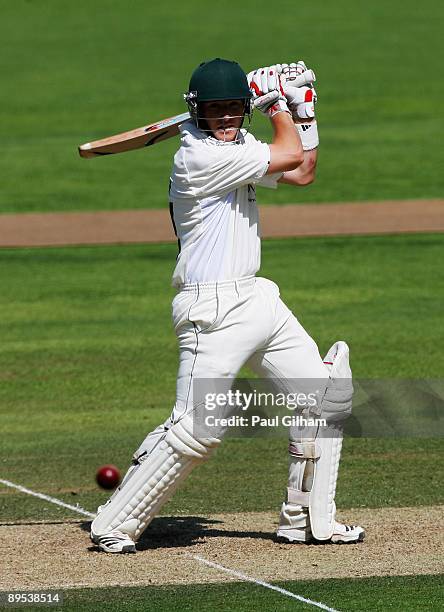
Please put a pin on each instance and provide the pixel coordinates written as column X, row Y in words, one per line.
column 286, row 152
column 301, row 102
column 303, row 174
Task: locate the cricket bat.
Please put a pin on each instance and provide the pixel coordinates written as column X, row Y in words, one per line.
column 155, row 132
column 135, row 139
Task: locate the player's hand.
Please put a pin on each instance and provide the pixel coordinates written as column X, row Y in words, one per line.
column 301, row 100
column 293, row 70
column 268, row 91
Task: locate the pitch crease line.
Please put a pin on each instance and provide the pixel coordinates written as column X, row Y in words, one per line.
column 53, row 500
column 267, row 585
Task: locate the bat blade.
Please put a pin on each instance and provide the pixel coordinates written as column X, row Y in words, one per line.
column 135, row 139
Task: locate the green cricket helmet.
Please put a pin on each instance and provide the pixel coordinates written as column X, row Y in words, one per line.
column 217, row 79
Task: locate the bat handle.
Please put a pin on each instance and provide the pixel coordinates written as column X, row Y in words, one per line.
column 306, row 78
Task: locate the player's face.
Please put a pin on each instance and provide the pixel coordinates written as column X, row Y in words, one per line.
column 224, row 117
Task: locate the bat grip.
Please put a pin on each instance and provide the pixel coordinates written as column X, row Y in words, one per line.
column 305, row 78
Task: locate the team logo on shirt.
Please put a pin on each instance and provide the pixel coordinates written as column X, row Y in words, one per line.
column 251, row 193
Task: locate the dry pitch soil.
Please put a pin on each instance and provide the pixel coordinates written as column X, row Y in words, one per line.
column 144, row 226
column 400, row 541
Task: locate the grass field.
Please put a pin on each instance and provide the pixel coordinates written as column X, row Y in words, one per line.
column 384, row 593
column 88, row 363
column 76, row 72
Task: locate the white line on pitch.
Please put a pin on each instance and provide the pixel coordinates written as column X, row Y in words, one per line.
column 273, row 587
column 53, row 500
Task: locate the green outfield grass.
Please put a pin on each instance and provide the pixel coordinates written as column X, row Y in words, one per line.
column 400, row 594
column 88, row 363
column 74, row 72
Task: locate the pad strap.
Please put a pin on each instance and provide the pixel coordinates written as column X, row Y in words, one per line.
column 305, row 449
column 298, row 498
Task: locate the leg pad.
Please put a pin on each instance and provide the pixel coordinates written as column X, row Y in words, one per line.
column 314, row 461
column 154, row 480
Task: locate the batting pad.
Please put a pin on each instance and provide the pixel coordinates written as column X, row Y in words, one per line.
column 322, row 496
column 336, row 406
column 315, row 461
column 153, row 482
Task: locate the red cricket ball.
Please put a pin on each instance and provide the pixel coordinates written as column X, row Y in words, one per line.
column 108, row 477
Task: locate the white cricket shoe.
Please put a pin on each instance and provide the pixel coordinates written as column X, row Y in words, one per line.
column 347, row 534
column 114, row 542
column 342, row 534
column 300, row 536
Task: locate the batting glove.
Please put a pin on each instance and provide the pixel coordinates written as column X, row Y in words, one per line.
column 293, row 70
column 268, row 92
column 301, row 100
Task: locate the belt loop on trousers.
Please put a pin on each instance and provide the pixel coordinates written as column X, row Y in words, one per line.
column 238, row 284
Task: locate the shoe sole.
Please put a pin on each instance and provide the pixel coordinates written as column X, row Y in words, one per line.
column 357, row 540
column 285, row 540
column 126, row 549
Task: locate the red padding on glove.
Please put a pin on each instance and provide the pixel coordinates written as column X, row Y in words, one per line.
column 257, row 91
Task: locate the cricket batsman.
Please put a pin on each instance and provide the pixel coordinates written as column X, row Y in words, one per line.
column 225, row 316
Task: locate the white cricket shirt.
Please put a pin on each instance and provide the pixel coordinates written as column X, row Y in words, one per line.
column 213, row 205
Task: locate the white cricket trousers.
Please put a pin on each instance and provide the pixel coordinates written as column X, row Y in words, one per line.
column 223, row 325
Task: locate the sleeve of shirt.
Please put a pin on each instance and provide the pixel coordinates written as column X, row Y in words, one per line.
column 270, row 180
column 210, row 169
